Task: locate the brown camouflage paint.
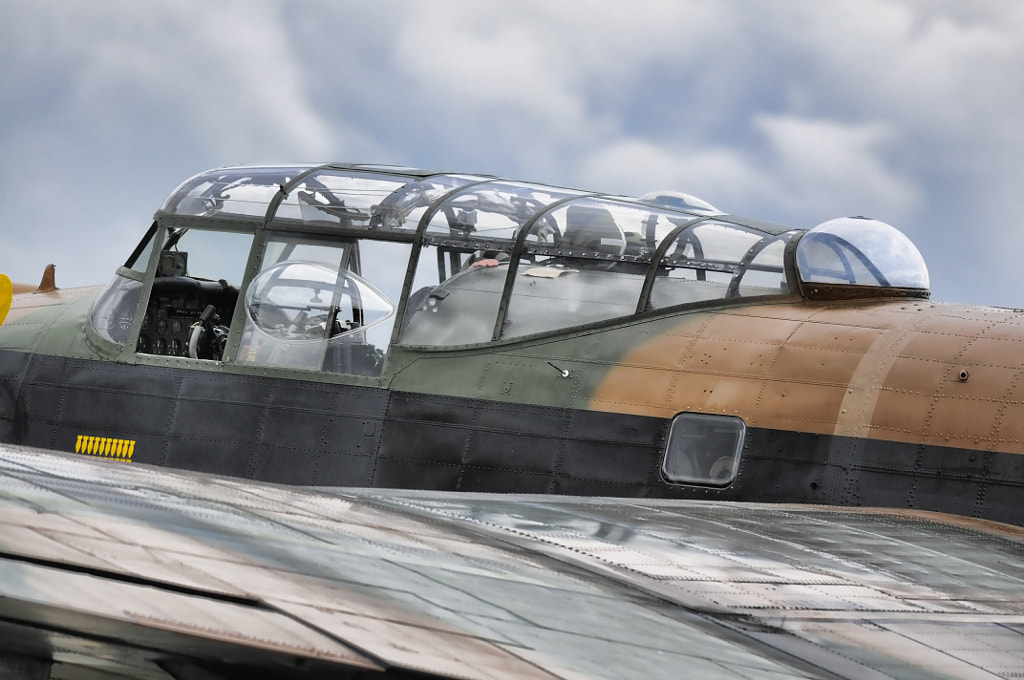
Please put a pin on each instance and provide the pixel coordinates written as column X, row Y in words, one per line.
column 907, row 371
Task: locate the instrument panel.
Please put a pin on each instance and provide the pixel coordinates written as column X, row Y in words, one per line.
column 174, row 305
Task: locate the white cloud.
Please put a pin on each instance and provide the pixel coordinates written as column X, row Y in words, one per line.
column 820, row 166
column 223, row 72
column 635, row 167
column 224, row 68
column 793, row 111
column 808, row 169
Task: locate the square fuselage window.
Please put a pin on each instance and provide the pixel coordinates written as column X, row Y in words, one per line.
column 703, row 449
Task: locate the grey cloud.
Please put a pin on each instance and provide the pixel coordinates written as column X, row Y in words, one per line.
column 791, row 111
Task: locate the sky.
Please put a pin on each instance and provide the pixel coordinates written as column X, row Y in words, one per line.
column 792, row 111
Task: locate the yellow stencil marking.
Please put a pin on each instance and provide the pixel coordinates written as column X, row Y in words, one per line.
column 118, row 449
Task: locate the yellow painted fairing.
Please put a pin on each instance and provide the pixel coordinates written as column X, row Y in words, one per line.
column 6, row 297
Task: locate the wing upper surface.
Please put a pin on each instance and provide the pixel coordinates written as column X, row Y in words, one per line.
column 146, row 572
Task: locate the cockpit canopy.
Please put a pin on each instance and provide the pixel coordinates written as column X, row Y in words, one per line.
column 323, row 267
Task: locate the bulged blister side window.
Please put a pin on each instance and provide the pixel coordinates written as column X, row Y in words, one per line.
column 114, row 310
column 310, row 309
column 703, row 449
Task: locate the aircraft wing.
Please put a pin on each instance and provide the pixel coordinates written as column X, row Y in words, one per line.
column 123, row 569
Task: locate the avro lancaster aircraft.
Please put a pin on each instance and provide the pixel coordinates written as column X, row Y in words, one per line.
column 377, row 326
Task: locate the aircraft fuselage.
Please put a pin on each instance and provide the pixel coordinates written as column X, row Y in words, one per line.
column 459, row 334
